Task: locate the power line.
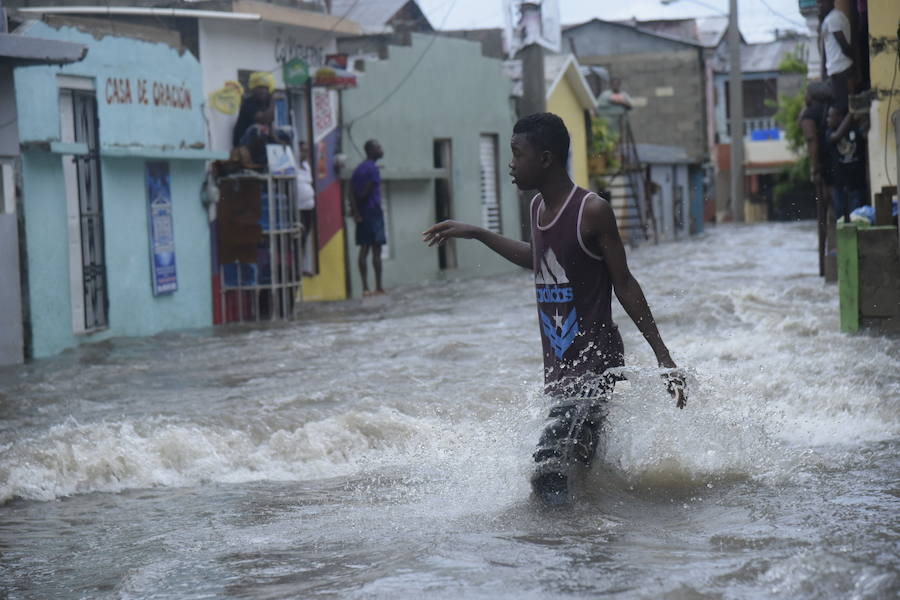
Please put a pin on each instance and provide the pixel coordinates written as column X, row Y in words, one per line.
column 719, row 11
column 778, row 14
column 405, row 78
column 887, row 124
column 328, row 32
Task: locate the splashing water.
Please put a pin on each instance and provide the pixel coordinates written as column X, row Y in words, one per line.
column 382, row 449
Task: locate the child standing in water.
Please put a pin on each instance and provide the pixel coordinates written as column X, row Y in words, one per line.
column 578, row 260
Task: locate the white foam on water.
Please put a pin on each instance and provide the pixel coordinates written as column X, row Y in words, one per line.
column 73, row 458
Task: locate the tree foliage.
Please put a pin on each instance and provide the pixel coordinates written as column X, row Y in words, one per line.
column 788, row 118
column 605, row 142
column 793, row 62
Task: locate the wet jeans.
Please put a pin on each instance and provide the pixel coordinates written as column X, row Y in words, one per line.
column 572, row 431
column 846, row 200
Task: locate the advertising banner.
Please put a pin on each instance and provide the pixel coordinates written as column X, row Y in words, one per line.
column 164, row 278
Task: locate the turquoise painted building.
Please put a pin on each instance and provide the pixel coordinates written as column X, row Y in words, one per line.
column 116, row 238
column 443, row 115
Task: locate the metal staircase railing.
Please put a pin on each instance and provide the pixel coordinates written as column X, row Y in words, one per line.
column 628, row 189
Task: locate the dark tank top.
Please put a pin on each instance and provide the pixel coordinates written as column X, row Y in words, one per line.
column 574, row 298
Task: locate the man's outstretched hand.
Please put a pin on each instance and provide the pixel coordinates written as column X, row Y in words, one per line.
column 677, row 388
column 676, row 382
column 439, row 233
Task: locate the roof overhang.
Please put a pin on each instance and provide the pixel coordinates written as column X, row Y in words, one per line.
column 240, row 10
column 137, row 11
column 22, row 50
column 283, row 15
column 572, row 74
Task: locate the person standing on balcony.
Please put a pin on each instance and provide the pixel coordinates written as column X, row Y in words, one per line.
column 846, row 162
column 257, row 100
column 615, row 96
column 835, row 37
column 365, row 207
column 813, row 124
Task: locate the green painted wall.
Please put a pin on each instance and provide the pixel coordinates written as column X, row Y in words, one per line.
column 454, row 93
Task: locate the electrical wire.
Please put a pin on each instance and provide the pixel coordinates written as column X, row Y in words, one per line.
column 781, row 15
column 887, row 124
column 720, row 13
column 349, row 126
column 326, row 33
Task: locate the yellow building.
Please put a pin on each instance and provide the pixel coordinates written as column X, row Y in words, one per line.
column 570, row 96
column 884, row 15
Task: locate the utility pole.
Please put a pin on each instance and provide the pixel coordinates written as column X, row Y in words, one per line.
column 534, row 88
column 736, row 108
column 534, row 91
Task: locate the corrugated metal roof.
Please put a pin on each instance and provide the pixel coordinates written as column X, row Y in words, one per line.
column 765, row 57
column 636, row 26
column 710, row 30
column 705, row 31
column 373, row 15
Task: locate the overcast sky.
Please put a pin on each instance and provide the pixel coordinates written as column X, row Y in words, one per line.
column 757, row 21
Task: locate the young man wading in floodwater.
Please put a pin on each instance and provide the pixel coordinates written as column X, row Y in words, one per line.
column 578, row 259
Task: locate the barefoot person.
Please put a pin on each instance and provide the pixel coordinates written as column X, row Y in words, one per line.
column 365, row 207
column 578, row 260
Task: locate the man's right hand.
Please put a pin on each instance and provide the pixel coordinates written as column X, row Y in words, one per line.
column 439, row 233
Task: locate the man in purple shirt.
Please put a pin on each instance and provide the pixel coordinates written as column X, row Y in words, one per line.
column 365, row 207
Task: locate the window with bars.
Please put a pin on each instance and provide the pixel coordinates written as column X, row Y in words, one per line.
column 490, row 193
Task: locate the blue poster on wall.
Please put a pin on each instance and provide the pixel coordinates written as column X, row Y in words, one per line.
column 162, row 233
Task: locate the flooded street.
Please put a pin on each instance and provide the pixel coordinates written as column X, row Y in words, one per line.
column 382, row 450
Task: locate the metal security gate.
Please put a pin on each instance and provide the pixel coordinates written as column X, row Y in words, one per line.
column 93, row 259
column 490, row 201
column 83, row 128
column 266, row 281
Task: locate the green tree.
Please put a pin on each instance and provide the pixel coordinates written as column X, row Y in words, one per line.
column 788, row 119
column 794, row 178
column 793, row 62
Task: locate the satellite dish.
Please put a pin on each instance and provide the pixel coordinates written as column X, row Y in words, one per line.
column 531, row 22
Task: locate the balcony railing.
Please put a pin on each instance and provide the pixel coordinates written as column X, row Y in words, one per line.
column 756, row 128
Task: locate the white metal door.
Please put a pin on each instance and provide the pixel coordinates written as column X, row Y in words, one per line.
column 490, row 199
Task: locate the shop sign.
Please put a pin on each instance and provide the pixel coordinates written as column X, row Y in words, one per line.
column 120, row 90
column 324, row 112
column 334, row 75
column 295, row 72
column 164, row 278
column 228, row 99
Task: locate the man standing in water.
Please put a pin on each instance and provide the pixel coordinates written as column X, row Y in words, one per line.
column 578, row 259
column 365, row 207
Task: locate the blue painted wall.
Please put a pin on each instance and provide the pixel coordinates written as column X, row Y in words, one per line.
column 112, row 60
column 145, row 129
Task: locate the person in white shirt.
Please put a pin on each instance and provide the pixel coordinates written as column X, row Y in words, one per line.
column 306, row 203
column 837, row 60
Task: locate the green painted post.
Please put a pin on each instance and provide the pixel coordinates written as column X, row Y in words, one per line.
column 848, row 276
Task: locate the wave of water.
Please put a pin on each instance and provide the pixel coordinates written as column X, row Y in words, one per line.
column 776, row 391
column 725, row 433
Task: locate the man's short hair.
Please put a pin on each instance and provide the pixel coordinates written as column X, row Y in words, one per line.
column 546, row 131
column 369, row 146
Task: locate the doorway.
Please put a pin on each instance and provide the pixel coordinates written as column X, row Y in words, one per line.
column 87, row 260
column 443, row 199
